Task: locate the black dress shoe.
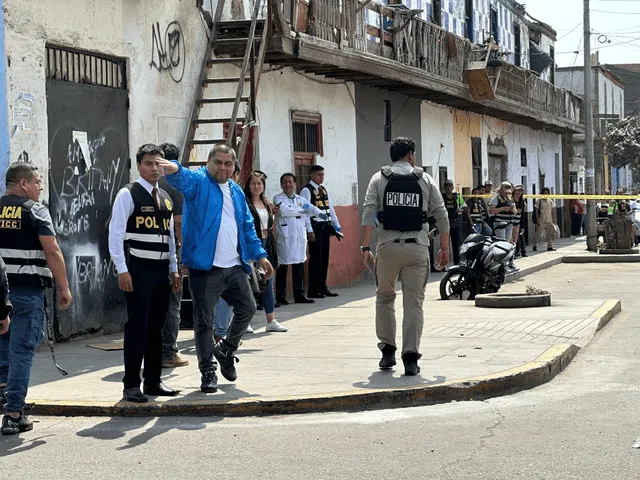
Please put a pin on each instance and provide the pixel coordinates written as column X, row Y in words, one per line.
column 330, row 294
column 283, row 301
column 388, row 360
column 410, row 360
column 315, row 295
column 259, row 307
column 159, row 389
column 303, row 299
column 134, row 395
column 277, row 305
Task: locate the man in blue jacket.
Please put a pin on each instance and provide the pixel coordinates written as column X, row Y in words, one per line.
column 219, row 238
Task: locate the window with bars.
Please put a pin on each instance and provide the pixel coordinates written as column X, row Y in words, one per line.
column 79, row 66
column 307, row 142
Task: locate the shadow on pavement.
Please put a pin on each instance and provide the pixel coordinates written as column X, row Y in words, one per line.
column 117, row 427
column 10, row 445
column 385, row 379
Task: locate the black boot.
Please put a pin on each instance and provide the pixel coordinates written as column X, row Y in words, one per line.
column 410, row 360
column 388, row 360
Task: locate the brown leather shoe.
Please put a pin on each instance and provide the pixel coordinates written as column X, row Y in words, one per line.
column 176, row 361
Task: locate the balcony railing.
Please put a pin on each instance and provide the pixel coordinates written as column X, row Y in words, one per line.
column 393, row 32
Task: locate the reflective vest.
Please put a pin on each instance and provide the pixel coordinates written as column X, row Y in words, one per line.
column 319, row 198
column 517, row 217
column 503, row 216
column 475, row 210
column 148, row 228
column 402, row 208
column 20, row 245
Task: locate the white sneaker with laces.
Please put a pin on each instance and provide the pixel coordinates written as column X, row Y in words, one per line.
column 276, row 327
column 249, row 329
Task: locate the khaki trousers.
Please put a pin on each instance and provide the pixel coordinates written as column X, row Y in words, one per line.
column 546, row 227
column 408, row 262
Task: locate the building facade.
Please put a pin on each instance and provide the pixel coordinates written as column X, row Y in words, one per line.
column 336, row 87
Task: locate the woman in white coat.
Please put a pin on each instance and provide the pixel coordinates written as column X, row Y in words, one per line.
column 293, row 225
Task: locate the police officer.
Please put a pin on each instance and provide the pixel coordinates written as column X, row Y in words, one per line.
column 33, row 258
column 403, row 196
column 452, row 204
column 316, row 194
column 142, row 245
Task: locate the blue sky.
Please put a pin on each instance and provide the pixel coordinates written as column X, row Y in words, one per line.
column 615, row 23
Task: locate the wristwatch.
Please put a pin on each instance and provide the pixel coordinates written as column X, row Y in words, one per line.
column 365, row 249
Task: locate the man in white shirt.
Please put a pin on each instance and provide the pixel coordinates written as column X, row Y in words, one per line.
column 142, row 246
column 316, row 194
column 219, row 241
column 293, row 225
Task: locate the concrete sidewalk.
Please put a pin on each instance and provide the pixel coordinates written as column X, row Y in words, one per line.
column 328, row 360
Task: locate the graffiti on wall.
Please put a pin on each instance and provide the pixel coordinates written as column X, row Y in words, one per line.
column 84, row 183
column 168, row 51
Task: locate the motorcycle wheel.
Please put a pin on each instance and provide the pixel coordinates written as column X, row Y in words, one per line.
column 455, row 285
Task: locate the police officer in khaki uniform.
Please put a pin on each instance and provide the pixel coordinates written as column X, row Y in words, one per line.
column 403, row 197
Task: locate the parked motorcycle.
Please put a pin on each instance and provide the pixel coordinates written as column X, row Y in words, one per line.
column 482, row 269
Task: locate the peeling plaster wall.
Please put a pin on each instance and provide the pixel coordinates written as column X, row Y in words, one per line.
column 159, row 106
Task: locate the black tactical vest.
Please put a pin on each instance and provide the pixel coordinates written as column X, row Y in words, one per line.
column 20, row 246
column 149, row 227
column 402, row 208
column 475, row 210
column 320, row 199
column 503, row 216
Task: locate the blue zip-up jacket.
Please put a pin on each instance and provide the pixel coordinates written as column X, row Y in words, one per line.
column 202, row 213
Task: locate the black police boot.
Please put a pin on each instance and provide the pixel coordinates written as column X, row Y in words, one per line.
column 410, row 360
column 388, row 360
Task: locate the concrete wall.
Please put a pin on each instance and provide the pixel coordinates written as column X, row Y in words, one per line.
column 630, row 75
column 373, row 151
column 437, row 129
column 465, row 126
column 159, row 105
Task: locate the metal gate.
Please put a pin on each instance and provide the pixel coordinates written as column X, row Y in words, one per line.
column 87, row 110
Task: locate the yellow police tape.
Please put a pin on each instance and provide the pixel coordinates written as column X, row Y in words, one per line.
column 568, row 197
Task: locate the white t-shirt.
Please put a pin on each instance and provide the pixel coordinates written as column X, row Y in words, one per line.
column 227, row 255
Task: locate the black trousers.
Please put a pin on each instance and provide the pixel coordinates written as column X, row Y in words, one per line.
column 297, row 276
column 147, row 308
column 319, row 259
column 454, row 233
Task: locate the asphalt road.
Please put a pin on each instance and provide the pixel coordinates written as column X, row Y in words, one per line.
column 580, row 426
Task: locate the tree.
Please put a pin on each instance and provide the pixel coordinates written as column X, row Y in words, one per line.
column 623, row 142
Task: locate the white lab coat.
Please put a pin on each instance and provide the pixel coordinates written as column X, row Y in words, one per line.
column 293, row 222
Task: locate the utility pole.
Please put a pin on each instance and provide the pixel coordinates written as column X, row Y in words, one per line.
column 592, row 234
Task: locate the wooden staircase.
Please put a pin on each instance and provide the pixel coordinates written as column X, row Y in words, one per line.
column 224, row 108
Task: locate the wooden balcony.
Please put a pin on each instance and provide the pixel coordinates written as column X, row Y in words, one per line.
column 408, row 55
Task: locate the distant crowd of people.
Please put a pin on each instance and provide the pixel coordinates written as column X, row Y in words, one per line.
column 504, row 216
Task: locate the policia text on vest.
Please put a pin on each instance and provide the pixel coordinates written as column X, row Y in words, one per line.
column 33, row 259
column 402, row 197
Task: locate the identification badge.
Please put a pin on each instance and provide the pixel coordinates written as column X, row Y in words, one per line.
column 148, row 209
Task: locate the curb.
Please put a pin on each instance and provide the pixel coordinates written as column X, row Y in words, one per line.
column 556, row 260
column 512, row 300
column 530, row 375
column 607, row 311
column 594, row 258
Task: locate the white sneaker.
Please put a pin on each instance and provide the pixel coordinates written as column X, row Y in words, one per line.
column 276, row 327
column 249, row 329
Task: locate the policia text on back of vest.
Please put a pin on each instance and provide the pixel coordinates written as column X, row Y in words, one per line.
column 402, row 205
column 19, row 244
column 148, row 227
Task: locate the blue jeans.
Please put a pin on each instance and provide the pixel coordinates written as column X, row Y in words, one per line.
column 483, row 228
column 18, row 345
column 222, row 318
column 267, row 298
